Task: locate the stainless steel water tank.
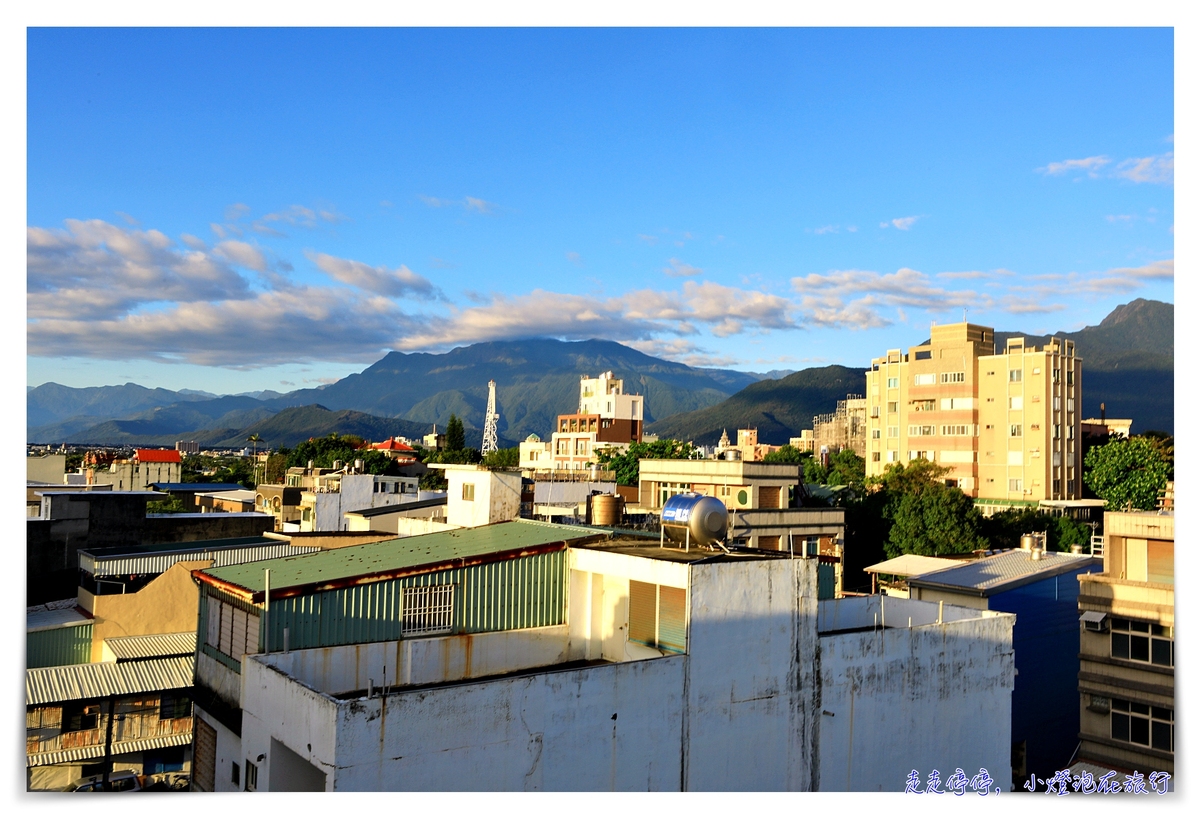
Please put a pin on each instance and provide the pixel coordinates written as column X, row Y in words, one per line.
column 696, row 518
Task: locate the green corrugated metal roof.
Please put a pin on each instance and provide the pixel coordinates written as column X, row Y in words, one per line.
column 397, row 555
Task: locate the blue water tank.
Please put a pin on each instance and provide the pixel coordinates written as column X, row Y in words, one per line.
column 696, row 518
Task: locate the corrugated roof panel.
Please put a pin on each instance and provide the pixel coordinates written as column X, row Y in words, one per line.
column 121, row 565
column 97, row 750
column 59, row 618
column 907, row 565
column 104, row 679
column 126, row 648
column 1001, row 570
column 399, row 554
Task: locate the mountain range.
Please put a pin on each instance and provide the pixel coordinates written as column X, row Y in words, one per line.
column 1128, row 364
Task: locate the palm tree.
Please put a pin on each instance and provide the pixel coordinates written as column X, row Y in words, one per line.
column 255, row 439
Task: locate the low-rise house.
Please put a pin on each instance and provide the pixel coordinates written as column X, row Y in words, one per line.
column 133, row 714
column 1042, row 589
column 232, row 501
column 187, row 492
column 405, row 519
column 890, row 577
column 138, row 473
column 280, row 501
column 1127, row 647
column 322, row 508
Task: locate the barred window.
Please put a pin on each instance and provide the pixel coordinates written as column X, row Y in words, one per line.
column 954, row 377
column 959, row 430
column 428, row 609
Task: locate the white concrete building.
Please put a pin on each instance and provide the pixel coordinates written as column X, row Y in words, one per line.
column 607, row 418
column 666, row 670
column 323, row 508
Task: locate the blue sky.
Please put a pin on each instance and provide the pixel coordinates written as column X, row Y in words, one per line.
column 232, row 210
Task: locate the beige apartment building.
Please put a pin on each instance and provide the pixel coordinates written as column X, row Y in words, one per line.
column 1127, row 646
column 1005, row 421
column 607, row 418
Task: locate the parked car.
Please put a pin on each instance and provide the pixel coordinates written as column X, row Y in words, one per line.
column 118, row 781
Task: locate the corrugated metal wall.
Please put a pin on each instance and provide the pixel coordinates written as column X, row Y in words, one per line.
column 59, row 646
column 529, row 592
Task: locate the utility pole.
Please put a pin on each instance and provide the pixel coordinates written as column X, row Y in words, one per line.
column 108, row 730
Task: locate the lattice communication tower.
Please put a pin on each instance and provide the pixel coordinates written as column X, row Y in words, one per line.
column 489, row 423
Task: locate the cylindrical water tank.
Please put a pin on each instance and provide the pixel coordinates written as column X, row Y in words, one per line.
column 1029, row 542
column 694, row 518
column 606, row 509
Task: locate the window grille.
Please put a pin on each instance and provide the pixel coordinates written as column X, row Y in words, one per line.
column 428, row 609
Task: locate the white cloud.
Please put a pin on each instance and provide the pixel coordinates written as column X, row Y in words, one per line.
column 467, row 203
column 828, row 228
column 479, row 205
column 93, row 269
column 1124, row 217
column 241, row 254
column 378, row 280
column 236, row 211
column 1090, row 166
column 905, row 222
column 679, row 268
column 648, row 239
column 194, row 242
column 1153, row 169
column 574, row 258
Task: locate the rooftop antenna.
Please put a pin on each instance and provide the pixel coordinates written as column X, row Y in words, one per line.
column 489, row 423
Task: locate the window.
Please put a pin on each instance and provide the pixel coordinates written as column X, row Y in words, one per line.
column 922, row 405
column 958, row 430
column 251, row 776
column 1057, row 431
column 172, row 706
column 428, row 609
column 1070, row 376
column 923, row 354
column 922, row 431
column 581, row 446
column 657, row 616
column 469, row 492
column 893, row 456
column 1143, row 642
column 875, row 457
column 1143, row 724
column 1014, row 430
column 1037, row 370
column 1014, row 485
column 563, row 446
column 958, row 403
column 236, row 775
column 893, row 383
column 1015, row 403
column 893, row 406
column 1056, row 373
column 875, row 434
column 874, row 411
column 893, row 431
column 1014, row 376
column 928, row 379
column 1057, row 403
column 724, row 491
column 80, row 716
column 233, row 631
column 954, row 377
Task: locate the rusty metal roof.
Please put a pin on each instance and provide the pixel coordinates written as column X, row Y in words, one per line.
column 379, row 560
column 100, row 680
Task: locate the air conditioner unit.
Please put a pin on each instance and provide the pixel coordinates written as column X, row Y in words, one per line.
column 1095, row 621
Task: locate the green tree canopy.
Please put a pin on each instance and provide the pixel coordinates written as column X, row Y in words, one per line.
column 456, row 439
column 845, row 469
column 1004, row 529
column 933, row 521
column 324, row 451
column 503, row 458
column 1130, row 473
column 625, row 464
column 787, row 453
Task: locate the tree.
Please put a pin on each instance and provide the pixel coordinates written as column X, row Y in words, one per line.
column 787, row 453
column 1129, row 473
column 455, row 436
column 1004, row 529
column 934, row 520
column 625, row 464
column 503, row 458
column 276, row 468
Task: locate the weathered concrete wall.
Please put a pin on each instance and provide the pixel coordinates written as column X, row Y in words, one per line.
column 751, row 685
column 48, row 468
column 415, row 526
column 293, row 714
column 168, row 604
column 497, row 497
column 929, row 697
column 607, row 727
column 347, row 668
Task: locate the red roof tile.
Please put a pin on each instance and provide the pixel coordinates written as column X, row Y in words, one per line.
column 158, row 456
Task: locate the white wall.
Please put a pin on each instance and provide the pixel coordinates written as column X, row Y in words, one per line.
column 497, row 497
column 751, row 684
column 347, row 668
column 275, row 707
column 928, row 697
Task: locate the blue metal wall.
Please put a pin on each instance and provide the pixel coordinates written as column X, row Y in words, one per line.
column 1045, row 702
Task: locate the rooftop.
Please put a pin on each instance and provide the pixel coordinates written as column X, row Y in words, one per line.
column 392, row 509
column 909, row 565
column 158, row 456
column 292, row 576
column 1002, row 572
column 194, row 487
column 154, row 646
column 649, row 548
column 51, row 619
column 100, row 680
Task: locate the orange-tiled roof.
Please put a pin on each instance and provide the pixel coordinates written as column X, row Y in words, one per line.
column 158, row 456
column 393, row 446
